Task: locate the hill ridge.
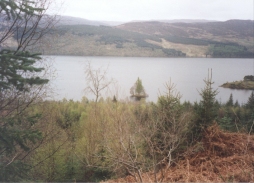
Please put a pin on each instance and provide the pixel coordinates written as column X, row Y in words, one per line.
column 229, row 39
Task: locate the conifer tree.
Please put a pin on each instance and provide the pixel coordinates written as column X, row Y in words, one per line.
column 208, row 100
column 137, row 91
column 14, row 65
column 206, row 109
column 20, row 83
column 250, row 102
column 236, row 104
column 230, row 101
column 139, row 87
column 250, row 106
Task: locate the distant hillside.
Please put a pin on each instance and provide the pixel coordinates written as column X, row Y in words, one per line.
column 67, row 20
column 187, row 21
column 233, row 38
column 86, row 40
column 238, row 28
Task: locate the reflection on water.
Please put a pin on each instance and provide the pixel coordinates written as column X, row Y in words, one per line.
column 187, row 73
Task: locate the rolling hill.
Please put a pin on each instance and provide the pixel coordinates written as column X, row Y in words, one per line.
column 229, row 39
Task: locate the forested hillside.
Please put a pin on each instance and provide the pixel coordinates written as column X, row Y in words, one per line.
column 233, row 38
column 230, row 39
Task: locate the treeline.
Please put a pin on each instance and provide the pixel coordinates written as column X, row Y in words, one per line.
column 217, row 49
column 107, row 35
column 230, row 51
column 87, row 141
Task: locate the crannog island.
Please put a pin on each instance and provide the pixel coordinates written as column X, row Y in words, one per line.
column 247, row 83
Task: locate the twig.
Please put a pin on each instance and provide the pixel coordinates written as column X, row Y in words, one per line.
column 12, row 160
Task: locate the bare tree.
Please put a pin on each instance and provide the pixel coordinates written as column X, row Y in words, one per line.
column 97, row 81
column 122, row 142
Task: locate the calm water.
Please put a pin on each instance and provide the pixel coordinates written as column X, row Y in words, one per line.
column 187, row 73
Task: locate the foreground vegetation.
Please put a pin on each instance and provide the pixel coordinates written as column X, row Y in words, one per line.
column 220, row 157
column 98, row 140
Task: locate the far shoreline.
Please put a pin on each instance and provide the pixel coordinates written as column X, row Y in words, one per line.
column 69, row 55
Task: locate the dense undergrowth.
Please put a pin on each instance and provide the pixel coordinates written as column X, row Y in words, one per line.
column 142, row 141
column 219, row 157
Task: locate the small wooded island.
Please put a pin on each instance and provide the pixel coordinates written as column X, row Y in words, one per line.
column 247, row 83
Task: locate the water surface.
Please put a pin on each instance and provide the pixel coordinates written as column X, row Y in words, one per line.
column 187, row 73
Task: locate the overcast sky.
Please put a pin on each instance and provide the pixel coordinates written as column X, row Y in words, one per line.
column 128, row 10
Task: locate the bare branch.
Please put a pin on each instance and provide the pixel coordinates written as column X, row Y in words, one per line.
column 96, row 80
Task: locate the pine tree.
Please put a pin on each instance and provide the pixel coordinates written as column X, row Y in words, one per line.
column 14, row 66
column 139, row 87
column 138, row 91
column 250, row 107
column 206, row 109
column 208, row 101
column 14, row 8
column 250, row 102
column 16, row 81
column 19, row 78
column 230, row 101
column 236, row 104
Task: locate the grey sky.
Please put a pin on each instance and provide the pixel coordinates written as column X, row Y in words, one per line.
column 127, row 10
